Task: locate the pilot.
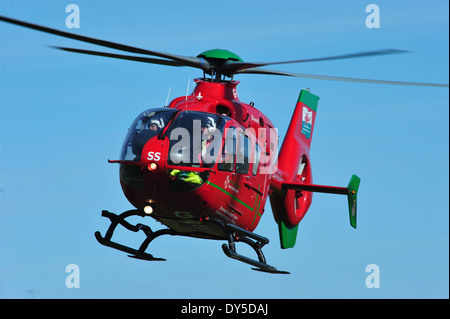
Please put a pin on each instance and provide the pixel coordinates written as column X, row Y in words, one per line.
column 208, row 126
column 155, row 124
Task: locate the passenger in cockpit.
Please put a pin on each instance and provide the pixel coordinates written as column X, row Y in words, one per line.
column 208, row 127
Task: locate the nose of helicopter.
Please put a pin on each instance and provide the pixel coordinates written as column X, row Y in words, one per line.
column 172, row 166
column 145, row 179
column 153, row 159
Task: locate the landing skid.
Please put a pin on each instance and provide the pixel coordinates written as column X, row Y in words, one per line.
column 236, row 234
column 233, row 234
column 135, row 253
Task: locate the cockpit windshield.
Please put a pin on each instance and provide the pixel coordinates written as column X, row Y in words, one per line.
column 195, row 140
column 147, row 125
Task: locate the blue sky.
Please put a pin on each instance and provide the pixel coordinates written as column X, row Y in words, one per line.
column 63, row 115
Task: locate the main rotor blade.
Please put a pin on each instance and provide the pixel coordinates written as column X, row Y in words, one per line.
column 237, row 66
column 187, row 61
column 337, row 78
column 121, row 56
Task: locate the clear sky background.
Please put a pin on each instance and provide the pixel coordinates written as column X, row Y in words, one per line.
column 63, row 115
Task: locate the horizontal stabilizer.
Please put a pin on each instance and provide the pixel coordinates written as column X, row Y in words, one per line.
column 351, row 191
column 315, row 188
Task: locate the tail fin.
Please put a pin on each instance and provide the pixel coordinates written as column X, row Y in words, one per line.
column 289, row 206
column 292, row 185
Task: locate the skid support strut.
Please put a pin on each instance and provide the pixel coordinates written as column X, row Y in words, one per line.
column 236, row 234
column 120, row 219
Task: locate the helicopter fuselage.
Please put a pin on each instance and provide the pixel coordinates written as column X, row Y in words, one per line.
column 180, row 192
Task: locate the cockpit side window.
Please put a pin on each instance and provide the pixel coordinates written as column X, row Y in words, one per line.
column 195, row 139
column 243, row 154
column 257, row 159
column 228, row 157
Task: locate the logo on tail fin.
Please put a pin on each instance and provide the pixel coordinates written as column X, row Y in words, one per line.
column 306, row 122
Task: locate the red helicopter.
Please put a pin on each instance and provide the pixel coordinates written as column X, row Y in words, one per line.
column 205, row 165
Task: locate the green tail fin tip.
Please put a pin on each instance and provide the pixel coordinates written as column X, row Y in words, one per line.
column 288, row 235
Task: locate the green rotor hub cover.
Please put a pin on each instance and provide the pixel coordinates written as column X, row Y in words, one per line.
column 220, row 54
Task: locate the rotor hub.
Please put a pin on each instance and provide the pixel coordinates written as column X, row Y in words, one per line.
column 220, row 54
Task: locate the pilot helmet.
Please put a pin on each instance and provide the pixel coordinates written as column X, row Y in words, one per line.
column 158, row 122
column 209, row 123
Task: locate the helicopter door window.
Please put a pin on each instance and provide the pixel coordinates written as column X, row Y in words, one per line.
column 229, row 151
column 243, row 154
column 257, row 159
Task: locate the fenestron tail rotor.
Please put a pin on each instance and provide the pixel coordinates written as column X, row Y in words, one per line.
column 217, row 62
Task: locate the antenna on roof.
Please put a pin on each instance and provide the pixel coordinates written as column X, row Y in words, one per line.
column 187, row 90
column 168, row 95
